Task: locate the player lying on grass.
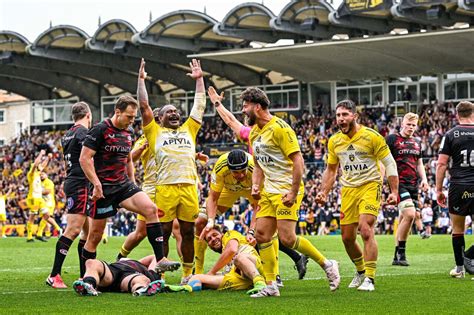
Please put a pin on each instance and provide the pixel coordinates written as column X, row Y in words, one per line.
column 126, row 275
column 238, row 255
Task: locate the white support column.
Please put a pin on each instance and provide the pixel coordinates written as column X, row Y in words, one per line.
column 440, row 88
column 385, row 97
column 310, row 98
column 333, row 95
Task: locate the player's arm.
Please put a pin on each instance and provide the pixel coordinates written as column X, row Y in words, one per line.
column 142, row 95
column 253, row 222
column 441, row 168
column 228, row 118
column 211, row 210
column 298, row 167
column 197, row 111
column 257, row 180
column 226, row 257
column 147, row 261
column 422, row 173
column 86, row 160
column 392, row 177
column 37, row 161
column 328, row 179
column 130, row 168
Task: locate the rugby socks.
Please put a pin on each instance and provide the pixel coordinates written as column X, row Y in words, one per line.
column 4, row 229
column 41, row 228
column 62, row 248
column 395, row 257
column 29, row 230
column 305, row 247
column 86, row 255
column 91, row 281
column 199, row 255
column 258, row 278
column 187, row 268
column 80, row 246
column 123, row 252
column 294, row 255
column 458, row 248
column 270, row 264
column 155, row 237
column 276, row 247
column 370, row 268
column 401, row 247
column 360, row 264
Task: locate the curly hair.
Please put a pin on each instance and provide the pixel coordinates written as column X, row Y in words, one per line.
column 255, row 95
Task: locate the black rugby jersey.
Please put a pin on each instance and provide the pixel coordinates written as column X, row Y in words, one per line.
column 72, row 145
column 112, row 146
column 458, row 143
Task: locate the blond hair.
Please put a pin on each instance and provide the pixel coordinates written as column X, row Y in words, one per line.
column 465, row 109
column 410, row 116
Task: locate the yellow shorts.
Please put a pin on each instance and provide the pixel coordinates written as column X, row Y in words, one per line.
column 36, row 204
column 271, row 206
column 177, row 201
column 234, row 281
column 3, row 217
column 50, row 210
column 150, row 193
column 227, row 198
column 302, row 224
column 360, row 200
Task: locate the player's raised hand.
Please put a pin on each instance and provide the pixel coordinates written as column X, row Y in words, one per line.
column 392, row 199
column 207, row 228
column 142, row 73
column 424, row 186
column 321, row 198
column 213, row 96
column 288, row 199
column 196, row 71
column 256, row 192
column 441, row 199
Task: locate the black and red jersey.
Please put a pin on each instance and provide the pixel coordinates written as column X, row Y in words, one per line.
column 112, row 146
column 458, row 143
column 72, row 145
column 406, row 152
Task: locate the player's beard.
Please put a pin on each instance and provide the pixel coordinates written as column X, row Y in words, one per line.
column 350, row 126
column 251, row 119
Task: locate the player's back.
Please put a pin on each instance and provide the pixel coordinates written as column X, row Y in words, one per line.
column 72, row 145
column 458, row 143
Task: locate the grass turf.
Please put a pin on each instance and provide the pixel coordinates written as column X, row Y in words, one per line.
column 424, row 287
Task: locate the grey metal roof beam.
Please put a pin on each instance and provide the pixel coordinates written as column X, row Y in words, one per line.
column 24, row 87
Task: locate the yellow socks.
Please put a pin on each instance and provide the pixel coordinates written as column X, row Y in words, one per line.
column 305, row 247
column 360, row 264
column 41, row 228
column 276, row 248
column 258, row 278
column 270, row 264
column 187, row 269
column 29, row 230
column 370, row 268
column 124, row 252
column 199, row 254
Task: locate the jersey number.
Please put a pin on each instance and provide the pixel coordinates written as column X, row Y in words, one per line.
column 67, row 158
column 465, row 157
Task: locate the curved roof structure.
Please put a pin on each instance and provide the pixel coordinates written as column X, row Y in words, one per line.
column 61, row 36
column 12, row 41
column 113, row 36
column 188, row 30
column 309, row 18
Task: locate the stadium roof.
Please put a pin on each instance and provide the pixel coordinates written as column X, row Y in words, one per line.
column 379, row 57
column 65, row 60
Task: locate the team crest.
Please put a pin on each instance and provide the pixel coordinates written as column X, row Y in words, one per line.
column 70, row 203
column 174, row 132
column 352, row 157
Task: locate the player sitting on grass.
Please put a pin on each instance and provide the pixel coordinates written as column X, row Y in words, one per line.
column 238, row 255
column 125, row 275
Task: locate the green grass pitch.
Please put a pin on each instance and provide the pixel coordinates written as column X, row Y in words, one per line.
column 424, row 287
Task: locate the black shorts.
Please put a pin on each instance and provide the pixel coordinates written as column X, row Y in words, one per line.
column 113, row 196
column 461, row 199
column 409, row 192
column 120, row 270
column 77, row 200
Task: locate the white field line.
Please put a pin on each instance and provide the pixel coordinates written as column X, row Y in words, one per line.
column 33, row 269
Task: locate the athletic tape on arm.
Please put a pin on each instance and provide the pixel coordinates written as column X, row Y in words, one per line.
column 390, row 166
column 199, row 106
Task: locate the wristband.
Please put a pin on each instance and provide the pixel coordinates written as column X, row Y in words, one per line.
column 251, row 232
column 210, row 223
column 217, row 103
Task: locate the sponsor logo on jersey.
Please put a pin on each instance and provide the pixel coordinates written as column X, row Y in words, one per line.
column 63, row 251
column 173, row 141
column 117, row 148
column 467, row 195
column 284, row 212
column 105, row 210
column 356, row 167
column 351, row 147
column 264, row 159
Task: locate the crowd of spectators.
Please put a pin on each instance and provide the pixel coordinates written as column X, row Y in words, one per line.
column 313, row 132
